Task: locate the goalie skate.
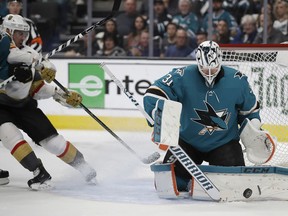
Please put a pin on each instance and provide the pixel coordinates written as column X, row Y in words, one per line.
column 41, row 180
column 4, row 177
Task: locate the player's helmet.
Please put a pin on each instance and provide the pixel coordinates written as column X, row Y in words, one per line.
column 14, row 22
column 209, row 59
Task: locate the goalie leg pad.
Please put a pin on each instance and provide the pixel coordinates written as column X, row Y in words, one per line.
column 165, row 182
column 167, row 122
column 259, row 145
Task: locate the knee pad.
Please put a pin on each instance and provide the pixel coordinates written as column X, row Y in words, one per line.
column 54, row 144
column 10, row 135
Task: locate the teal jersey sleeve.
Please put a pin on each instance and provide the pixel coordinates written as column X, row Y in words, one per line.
column 4, row 52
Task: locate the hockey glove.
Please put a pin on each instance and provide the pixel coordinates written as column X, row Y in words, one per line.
column 260, row 146
column 47, row 71
column 71, row 99
column 22, row 72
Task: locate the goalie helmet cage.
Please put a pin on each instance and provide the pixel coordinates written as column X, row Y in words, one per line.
column 266, row 67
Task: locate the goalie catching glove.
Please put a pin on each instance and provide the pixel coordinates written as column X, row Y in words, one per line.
column 47, row 71
column 68, row 99
column 259, row 145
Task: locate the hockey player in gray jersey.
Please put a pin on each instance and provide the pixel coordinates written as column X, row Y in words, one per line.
column 18, row 106
column 216, row 100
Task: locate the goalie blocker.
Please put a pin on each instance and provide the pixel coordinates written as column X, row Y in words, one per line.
column 251, row 183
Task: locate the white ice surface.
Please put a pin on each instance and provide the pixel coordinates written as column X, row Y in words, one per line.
column 125, row 185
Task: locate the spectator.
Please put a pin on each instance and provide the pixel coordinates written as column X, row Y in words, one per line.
column 181, row 47
column 280, row 11
column 34, row 39
column 201, row 36
column 3, row 8
column 239, row 8
column 222, row 35
column 169, row 37
column 274, row 36
column 143, row 48
column 80, row 48
column 109, row 27
column 220, row 14
column 171, row 7
column 133, row 38
column 110, row 47
column 125, row 20
column 161, row 18
column 186, row 19
column 247, row 32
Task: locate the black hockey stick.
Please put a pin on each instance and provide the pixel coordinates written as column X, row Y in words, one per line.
column 150, row 159
column 115, row 9
column 177, row 151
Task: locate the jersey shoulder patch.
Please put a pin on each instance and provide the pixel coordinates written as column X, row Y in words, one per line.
column 239, row 75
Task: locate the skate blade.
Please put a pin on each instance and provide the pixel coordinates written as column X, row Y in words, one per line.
column 92, row 182
column 47, row 185
column 4, row 181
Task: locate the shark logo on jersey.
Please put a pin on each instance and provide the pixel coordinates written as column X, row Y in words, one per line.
column 212, row 120
column 239, row 75
column 180, row 71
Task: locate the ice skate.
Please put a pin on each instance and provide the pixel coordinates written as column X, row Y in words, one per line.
column 4, row 177
column 41, row 180
column 88, row 172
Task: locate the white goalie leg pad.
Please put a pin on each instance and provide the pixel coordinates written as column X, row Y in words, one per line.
column 54, row 144
column 256, row 183
column 259, row 145
column 165, row 181
column 10, row 135
column 167, row 122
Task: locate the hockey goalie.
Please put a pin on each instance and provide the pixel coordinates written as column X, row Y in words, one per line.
column 208, row 110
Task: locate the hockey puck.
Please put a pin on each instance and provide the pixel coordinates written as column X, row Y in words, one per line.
column 247, row 193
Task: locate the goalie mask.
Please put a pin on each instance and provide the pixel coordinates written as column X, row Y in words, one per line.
column 13, row 22
column 209, row 58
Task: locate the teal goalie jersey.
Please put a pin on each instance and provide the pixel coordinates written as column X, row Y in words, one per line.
column 210, row 115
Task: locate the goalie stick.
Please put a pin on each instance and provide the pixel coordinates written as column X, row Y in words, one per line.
column 177, row 151
column 147, row 160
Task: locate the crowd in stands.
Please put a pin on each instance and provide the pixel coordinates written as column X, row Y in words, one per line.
column 180, row 25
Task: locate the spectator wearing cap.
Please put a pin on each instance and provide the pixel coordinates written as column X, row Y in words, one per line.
column 161, row 18
column 34, row 39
